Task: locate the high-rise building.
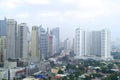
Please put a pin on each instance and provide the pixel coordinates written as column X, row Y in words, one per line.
column 94, row 44
column 87, row 43
column 105, row 44
column 3, row 27
column 23, row 41
column 54, row 45
column 55, row 32
column 11, row 38
column 43, row 43
column 2, row 48
column 79, row 42
column 100, row 44
column 50, row 45
column 35, row 54
column 67, row 44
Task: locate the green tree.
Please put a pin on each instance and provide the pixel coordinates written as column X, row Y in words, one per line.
column 60, row 72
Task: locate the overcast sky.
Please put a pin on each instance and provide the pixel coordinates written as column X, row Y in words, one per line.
column 66, row 14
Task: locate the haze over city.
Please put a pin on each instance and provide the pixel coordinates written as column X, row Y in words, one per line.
column 59, row 40
column 66, row 14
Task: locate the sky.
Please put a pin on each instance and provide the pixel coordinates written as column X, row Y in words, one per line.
column 66, row 14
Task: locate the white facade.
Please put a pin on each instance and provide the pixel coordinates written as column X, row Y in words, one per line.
column 55, row 32
column 23, row 41
column 67, row 44
column 87, row 43
column 79, row 42
column 3, row 74
column 54, row 45
column 94, row 43
column 11, row 38
column 105, row 44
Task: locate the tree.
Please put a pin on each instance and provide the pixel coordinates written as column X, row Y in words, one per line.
column 60, row 72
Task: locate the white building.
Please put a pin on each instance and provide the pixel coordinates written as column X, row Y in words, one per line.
column 92, row 44
column 105, row 44
column 79, row 42
column 3, row 74
column 95, row 43
column 23, row 41
column 67, row 44
column 54, row 45
column 11, row 38
column 55, row 32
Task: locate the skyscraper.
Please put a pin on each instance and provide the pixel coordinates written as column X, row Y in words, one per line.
column 2, row 48
column 11, row 38
column 105, row 44
column 55, row 32
column 50, row 45
column 100, row 44
column 79, row 42
column 54, row 45
column 35, row 55
column 67, row 44
column 96, row 43
column 23, row 41
column 3, row 27
column 43, row 43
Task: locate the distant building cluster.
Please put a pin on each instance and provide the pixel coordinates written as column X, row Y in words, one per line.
column 24, row 52
column 17, row 42
column 92, row 44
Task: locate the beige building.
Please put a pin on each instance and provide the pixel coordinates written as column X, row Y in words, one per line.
column 34, row 44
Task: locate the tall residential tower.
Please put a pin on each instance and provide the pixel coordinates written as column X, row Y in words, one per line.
column 55, row 33
column 23, row 41
column 11, row 38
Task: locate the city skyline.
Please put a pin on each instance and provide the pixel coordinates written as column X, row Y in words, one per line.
column 66, row 14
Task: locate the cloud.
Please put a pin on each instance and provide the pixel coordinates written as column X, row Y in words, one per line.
column 10, row 4
column 49, row 14
column 35, row 2
column 13, row 4
column 91, row 8
column 23, row 15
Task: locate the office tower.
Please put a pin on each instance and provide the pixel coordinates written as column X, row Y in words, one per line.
column 100, row 44
column 11, row 38
column 79, row 42
column 54, row 45
column 50, row 45
column 35, row 44
column 87, row 43
column 3, row 27
column 105, row 44
column 96, row 43
column 67, row 44
column 55, row 32
column 2, row 49
column 23, row 41
column 43, row 43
